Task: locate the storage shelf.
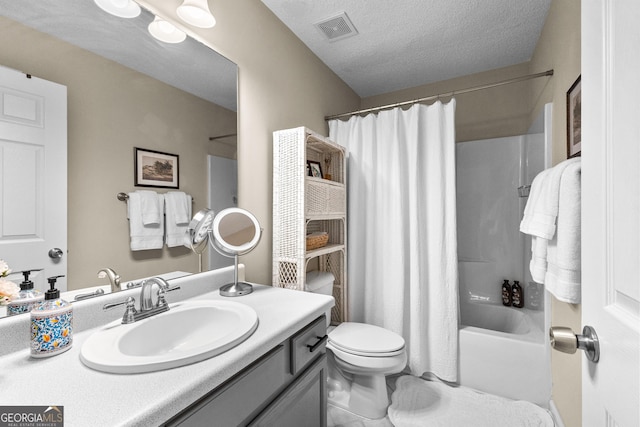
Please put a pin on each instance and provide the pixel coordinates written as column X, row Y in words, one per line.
column 324, row 181
column 330, row 248
column 303, row 204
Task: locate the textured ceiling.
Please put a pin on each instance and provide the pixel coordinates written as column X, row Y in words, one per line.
column 189, row 66
column 406, row 43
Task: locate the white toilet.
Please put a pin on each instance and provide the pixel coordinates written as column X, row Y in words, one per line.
column 359, row 358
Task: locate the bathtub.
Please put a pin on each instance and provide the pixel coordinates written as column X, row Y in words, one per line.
column 504, row 351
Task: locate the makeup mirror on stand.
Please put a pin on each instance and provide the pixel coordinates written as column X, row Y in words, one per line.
column 199, row 229
column 232, row 232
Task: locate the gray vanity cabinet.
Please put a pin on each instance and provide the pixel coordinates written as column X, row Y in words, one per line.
column 285, row 387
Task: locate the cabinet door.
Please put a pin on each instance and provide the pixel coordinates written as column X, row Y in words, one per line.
column 303, row 403
column 234, row 402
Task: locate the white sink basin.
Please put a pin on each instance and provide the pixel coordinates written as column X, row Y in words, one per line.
column 191, row 331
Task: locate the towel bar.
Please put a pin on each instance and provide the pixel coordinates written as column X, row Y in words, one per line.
column 123, row 197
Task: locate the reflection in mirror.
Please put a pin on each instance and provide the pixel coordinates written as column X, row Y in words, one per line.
column 235, row 231
column 125, row 89
column 199, row 230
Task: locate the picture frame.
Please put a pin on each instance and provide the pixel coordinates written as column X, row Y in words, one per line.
column 156, row 169
column 574, row 119
column 315, row 170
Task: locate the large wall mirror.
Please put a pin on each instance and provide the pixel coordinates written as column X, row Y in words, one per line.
column 125, row 89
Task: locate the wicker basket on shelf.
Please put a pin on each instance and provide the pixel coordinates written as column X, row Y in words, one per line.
column 317, row 240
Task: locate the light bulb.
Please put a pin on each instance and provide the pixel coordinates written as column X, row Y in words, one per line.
column 119, row 8
column 165, row 31
column 196, row 13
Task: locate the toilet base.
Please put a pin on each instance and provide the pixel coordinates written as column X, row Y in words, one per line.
column 362, row 395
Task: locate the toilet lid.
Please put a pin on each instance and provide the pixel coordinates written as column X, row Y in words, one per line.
column 360, row 338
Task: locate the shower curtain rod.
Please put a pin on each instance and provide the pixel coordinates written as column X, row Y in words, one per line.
column 452, row 93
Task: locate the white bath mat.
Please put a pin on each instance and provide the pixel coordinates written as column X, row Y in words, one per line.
column 420, row 403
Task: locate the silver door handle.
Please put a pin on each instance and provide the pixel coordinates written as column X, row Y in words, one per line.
column 55, row 253
column 563, row 339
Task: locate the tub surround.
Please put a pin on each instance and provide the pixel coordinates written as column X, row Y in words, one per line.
column 95, row 398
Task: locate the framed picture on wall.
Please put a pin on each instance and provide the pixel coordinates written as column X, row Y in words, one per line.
column 156, row 169
column 315, row 169
column 574, row 119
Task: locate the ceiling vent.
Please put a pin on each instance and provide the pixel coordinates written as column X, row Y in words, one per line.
column 337, row 28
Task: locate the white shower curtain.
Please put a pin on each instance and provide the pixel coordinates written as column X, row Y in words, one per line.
column 402, row 255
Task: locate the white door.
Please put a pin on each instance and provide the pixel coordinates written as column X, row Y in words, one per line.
column 223, row 191
column 611, row 209
column 33, row 176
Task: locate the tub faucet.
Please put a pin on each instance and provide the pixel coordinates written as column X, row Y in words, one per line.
column 114, row 279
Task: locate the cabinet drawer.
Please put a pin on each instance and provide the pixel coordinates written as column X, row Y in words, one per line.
column 307, row 344
column 232, row 403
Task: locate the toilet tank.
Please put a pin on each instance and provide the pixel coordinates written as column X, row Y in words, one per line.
column 320, row 282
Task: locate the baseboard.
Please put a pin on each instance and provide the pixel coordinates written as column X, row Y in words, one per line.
column 557, row 419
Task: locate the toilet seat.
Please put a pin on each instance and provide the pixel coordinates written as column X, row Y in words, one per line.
column 366, row 340
column 368, row 364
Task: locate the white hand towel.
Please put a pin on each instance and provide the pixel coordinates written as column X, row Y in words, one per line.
column 143, row 236
column 541, row 211
column 563, row 277
column 178, row 208
column 151, row 207
column 538, row 264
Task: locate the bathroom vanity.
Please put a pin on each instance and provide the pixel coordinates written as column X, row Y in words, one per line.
column 276, row 376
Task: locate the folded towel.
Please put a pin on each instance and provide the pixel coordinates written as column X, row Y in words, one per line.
column 538, row 264
column 151, row 207
column 563, row 277
column 178, row 211
column 150, row 236
column 541, row 211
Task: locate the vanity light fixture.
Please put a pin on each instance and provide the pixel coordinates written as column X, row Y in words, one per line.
column 196, row 13
column 166, row 31
column 119, row 8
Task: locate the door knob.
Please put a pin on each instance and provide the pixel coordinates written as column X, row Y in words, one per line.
column 563, row 339
column 55, row 253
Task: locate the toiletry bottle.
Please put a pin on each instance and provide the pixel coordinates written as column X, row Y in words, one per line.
column 51, row 324
column 28, row 297
column 506, row 293
column 517, row 295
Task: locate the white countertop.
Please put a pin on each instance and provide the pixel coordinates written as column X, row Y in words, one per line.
column 93, row 398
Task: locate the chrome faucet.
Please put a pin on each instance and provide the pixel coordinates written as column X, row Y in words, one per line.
column 147, row 307
column 114, row 279
column 146, row 297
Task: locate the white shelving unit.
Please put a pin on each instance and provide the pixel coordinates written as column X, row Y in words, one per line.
column 303, row 204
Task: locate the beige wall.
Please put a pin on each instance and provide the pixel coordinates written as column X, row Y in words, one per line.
column 111, row 109
column 281, row 84
column 559, row 48
column 490, row 113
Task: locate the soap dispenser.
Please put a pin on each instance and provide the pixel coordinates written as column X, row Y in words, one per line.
column 517, row 295
column 506, row 293
column 27, row 298
column 51, row 324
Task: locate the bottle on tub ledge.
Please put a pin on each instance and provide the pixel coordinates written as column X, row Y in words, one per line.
column 506, row 293
column 51, row 324
column 517, row 295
